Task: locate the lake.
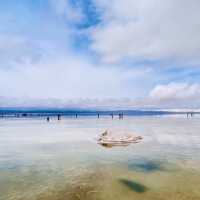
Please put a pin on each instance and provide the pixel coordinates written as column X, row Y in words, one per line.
column 61, row 160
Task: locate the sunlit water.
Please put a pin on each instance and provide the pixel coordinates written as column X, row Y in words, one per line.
column 61, row 160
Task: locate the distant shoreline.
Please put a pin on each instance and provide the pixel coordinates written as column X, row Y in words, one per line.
column 65, row 112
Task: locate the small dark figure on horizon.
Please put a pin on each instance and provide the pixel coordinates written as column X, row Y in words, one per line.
column 121, row 115
column 98, row 115
column 76, row 115
column 24, row 114
column 112, row 115
column 48, row 119
column 59, row 117
column 190, row 114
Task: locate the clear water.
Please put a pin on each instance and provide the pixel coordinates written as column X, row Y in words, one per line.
column 61, row 160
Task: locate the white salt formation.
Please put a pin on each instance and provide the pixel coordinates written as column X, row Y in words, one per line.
column 117, row 138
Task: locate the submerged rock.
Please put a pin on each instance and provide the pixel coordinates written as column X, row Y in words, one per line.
column 117, row 138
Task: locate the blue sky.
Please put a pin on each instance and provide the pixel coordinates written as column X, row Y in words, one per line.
column 129, row 53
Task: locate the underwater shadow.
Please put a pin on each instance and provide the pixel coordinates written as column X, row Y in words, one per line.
column 146, row 166
column 134, row 186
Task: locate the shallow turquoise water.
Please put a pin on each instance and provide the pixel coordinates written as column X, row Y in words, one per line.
column 61, row 159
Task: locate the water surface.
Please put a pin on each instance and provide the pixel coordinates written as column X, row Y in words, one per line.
column 61, row 160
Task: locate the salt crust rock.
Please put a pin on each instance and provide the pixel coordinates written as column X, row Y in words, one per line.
column 110, row 138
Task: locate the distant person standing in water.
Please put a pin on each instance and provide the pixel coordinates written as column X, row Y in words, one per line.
column 48, row 119
column 121, row 115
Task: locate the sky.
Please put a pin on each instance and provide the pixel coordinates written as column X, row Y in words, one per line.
column 100, row 53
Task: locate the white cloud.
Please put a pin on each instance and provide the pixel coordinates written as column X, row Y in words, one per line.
column 72, row 13
column 176, row 91
column 42, row 65
column 84, row 103
column 18, row 49
column 42, row 68
column 148, row 29
column 175, row 95
column 68, row 76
